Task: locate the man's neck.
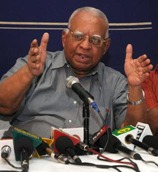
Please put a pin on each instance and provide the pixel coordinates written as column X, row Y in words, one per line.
column 81, row 74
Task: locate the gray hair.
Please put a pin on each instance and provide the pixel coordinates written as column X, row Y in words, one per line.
column 96, row 12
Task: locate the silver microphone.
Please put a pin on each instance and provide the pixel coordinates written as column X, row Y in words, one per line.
column 73, row 83
column 5, row 151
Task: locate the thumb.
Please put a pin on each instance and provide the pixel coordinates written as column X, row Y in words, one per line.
column 129, row 52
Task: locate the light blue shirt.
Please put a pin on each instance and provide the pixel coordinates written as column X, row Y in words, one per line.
column 50, row 103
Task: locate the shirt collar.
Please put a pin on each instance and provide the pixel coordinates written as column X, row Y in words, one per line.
column 59, row 61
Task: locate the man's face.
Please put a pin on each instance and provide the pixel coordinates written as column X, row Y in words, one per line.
column 79, row 43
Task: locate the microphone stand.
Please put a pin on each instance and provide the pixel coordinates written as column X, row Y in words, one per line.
column 86, row 122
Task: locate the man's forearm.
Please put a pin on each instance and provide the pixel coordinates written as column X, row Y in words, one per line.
column 13, row 89
column 152, row 119
column 136, row 110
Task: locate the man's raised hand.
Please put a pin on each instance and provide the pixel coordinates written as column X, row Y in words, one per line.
column 37, row 55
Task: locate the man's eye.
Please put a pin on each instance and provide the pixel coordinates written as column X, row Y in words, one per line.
column 96, row 40
column 78, row 37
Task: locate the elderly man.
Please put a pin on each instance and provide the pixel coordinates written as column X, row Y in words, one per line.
column 33, row 92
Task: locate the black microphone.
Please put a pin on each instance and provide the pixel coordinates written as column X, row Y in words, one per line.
column 44, row 149
column 5, row 151
column 73, row 83
column 151, row 141
column 113, row 145
column 65, row 146
column 61, row 158
column 23, row 149
column 98, row 134
column 142, row 145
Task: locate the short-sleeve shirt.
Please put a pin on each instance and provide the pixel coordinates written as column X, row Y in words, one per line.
column 49, row 102
column 150, row 87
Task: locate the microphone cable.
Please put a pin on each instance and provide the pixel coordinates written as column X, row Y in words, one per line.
column 130, row 165
column 138, row 158
column 108, row 132
column 5, row 152
column 115, row 167
column 5, row 157
column 11, row 164
column 107, row 141
column 104, row 158
column 149, row 162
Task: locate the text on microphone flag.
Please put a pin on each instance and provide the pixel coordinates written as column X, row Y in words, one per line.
column 123, row 130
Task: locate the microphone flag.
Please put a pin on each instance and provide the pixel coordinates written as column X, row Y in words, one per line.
column 143, row 130
column 18, row 134
column 122, row 133
column 59, row 133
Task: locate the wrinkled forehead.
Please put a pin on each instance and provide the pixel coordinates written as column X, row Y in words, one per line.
column 88, row 23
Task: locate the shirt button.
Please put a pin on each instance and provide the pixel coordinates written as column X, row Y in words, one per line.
column 75, row 102
column 70, row 121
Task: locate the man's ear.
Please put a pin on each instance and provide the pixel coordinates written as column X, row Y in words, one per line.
column 64, row 35
column 107, row 45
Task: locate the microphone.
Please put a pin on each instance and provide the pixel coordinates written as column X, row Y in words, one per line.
column 151, row 141
column 24, row 145
column 44, row 149
column 59, row 132
column 5, row 151
column 128, row 135
column 122, row 133
column 23, row 149
column 150, row 150
column 80, row 147
column 73, row 83
column 41, row 145
column 61, row 158
column 113, row 145
column 19, row 133
column 64, row 145
column 97, row 135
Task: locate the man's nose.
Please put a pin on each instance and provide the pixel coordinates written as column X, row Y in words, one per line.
column 86, row 43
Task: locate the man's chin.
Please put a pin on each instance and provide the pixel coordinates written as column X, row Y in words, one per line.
column 83, row 69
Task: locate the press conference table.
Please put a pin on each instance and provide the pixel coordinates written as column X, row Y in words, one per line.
column 47, row 164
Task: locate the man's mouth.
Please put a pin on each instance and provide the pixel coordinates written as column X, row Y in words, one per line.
column 84, row 57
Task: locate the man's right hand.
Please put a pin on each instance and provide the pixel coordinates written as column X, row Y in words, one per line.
column 37, row 55
column 20, row 81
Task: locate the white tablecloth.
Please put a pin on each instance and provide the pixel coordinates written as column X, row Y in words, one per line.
column 47, row 164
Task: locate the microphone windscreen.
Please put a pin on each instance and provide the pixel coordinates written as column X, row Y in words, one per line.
column 17, row 134
column 151, row 141
column 63, row 143
column 71, row 80
column 58, row 133
column 23, row 143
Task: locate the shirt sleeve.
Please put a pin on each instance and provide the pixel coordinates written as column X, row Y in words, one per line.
column 19, row 63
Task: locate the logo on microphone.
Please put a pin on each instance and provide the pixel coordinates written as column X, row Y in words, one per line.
column 123, row 130
column 140, row 131
column 122, row 133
